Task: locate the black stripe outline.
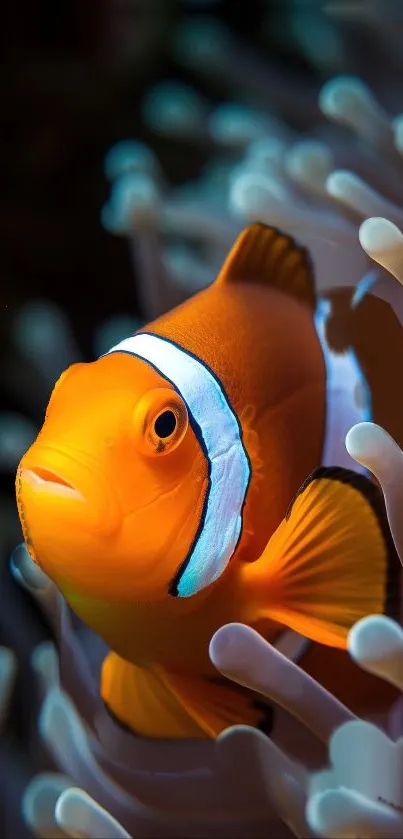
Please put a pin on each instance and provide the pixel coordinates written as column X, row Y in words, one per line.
column 174, row 584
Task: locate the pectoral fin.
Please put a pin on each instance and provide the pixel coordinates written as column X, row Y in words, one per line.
column 331, row 561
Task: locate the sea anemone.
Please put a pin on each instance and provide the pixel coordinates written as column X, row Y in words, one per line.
column 320, row 184
column 88, row 748
column 152, row 788
column 362, row 792
column 368, row 789
column 261, row 171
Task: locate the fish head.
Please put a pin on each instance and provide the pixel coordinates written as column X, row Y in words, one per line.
column 111, row 493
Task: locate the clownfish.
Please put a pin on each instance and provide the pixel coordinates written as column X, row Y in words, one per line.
column 196, row 475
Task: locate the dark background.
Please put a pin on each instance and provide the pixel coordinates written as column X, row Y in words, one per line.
column 73, row 76
column 72, row 79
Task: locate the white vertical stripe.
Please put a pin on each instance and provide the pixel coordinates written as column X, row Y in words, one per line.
column 344, row 378
column 228, row 461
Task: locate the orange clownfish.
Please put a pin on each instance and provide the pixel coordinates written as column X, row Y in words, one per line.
column 167, row 492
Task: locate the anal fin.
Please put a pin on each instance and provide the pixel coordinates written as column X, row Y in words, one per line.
column 154, row 702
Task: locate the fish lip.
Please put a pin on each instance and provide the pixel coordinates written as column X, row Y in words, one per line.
column 89, row 496
column 49, row 476
column 47, row 479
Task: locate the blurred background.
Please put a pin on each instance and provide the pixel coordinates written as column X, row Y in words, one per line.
column 192, row 84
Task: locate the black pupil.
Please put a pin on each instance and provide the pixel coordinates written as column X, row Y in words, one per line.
column 165, row 424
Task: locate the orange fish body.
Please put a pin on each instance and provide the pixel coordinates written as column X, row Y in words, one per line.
column 166, row 493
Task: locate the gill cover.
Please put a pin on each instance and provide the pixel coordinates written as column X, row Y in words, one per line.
column 218, row 431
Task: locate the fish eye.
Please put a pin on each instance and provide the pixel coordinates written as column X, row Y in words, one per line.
column 165, row 424
column 161, row 421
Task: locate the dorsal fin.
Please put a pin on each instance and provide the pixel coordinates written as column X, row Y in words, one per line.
column 266, row 256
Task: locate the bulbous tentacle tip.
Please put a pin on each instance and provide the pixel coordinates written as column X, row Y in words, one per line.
column 25, row 572
column 236, row 125
column 309, row 163
column 359, row 197
column 372, row 447
column 129, row 156
column 382, row 240
column 349, row 101
column 345, row 812
column 175, row 110
column 39, row 802
column 376, row 644
column 77, row 814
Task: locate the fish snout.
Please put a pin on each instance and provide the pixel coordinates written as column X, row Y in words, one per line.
column 50, row 480
column 67, row 489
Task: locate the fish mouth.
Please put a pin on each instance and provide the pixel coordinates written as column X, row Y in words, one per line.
column 50, row 477
column 48, row 480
